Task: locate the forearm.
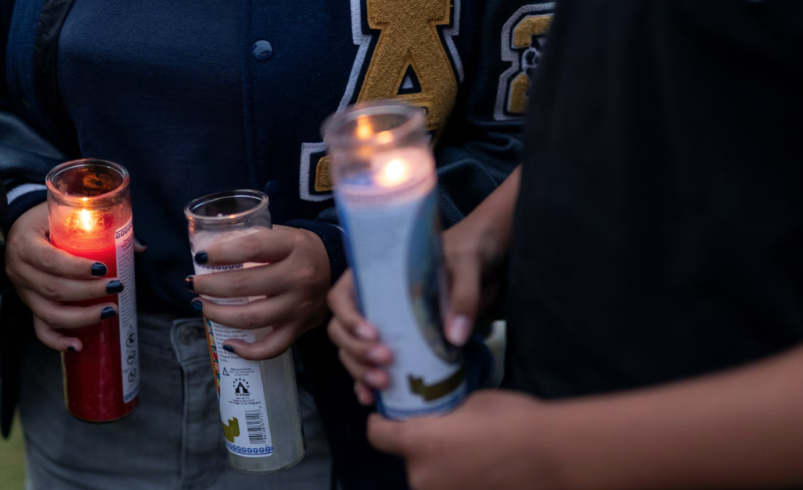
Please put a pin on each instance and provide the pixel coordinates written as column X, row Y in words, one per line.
column 739, row 429
column 494, row 216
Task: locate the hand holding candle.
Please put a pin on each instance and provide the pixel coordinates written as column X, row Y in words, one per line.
column 46, row 278
column 293, row 287
column 474, row 254
column 89, row 216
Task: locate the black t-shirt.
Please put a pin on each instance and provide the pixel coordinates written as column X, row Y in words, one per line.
column 659, row 229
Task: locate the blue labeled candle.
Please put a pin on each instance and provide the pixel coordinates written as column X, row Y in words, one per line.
column 385, row 190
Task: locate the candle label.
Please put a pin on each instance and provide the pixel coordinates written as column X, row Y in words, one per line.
column 240, row 391
column 127, row 306
column 395, row 250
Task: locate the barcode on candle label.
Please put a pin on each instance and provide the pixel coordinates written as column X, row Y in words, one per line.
column 127, row 306
column 256, row 427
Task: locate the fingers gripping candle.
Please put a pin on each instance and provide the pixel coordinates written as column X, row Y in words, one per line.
column 258, row 399
column 89, row 208
column 385, row 192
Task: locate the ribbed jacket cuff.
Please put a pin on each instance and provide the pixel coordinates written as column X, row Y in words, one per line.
column 332, row 238
column 23, row 203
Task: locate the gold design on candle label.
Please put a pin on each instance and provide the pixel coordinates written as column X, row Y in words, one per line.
column 439, row 389
column 231, row 430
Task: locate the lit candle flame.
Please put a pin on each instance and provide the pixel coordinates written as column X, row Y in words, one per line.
column 384, row 137
column 393, row 173
column 364, row 128
column 86, row 220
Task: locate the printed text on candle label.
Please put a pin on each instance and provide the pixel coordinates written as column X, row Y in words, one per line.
column 127, row 306
column 242, row 399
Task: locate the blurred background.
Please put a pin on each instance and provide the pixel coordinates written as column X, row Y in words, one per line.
column 12, row 460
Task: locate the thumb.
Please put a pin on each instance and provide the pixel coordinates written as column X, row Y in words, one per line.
column 464, row 297
column 139, row 245
column 387, row 435
column 273, row 345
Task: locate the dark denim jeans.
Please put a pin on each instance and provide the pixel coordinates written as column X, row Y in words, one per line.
column 174, row 440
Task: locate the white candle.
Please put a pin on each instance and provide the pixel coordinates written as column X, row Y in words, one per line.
column 386, row 196
column 258, row 399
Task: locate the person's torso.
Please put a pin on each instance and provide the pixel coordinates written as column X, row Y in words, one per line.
column 198, row 97
column 659, row 227
column 156, row 88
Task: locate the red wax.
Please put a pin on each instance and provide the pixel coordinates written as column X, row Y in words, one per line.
column 93, row 378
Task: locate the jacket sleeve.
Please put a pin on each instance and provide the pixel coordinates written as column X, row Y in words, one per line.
column 25, row 155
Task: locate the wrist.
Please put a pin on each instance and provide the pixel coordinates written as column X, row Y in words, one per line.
column 21, row 204
column 331, row 237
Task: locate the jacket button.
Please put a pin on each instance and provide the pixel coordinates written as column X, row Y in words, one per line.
column 273, row 189
column 262, row 50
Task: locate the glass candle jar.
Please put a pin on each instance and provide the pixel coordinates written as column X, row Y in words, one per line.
column 89, row 214
column 384, row 175
column 258, row 399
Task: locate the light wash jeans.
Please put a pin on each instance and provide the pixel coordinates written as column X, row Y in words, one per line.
column 173, row 441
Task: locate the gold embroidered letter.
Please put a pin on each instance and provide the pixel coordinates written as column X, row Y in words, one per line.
column 410, row 38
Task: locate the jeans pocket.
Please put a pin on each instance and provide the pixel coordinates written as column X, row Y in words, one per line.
column 203, row 455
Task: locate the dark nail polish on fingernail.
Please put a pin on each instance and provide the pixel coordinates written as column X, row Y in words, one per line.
column 140, row 241
column 228, row 348
column 114, row 287
column 189, row 283
column 201, row 257
column 107, row 312
column 71, row 349
column 99, row 270
column 198, row 306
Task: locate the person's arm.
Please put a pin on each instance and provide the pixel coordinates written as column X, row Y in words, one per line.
column 742, row 428
column 738, row 429
column 476, row 251
column 44, row 277
column 25, row 154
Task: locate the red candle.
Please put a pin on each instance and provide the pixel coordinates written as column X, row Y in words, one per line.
column 90, row 216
